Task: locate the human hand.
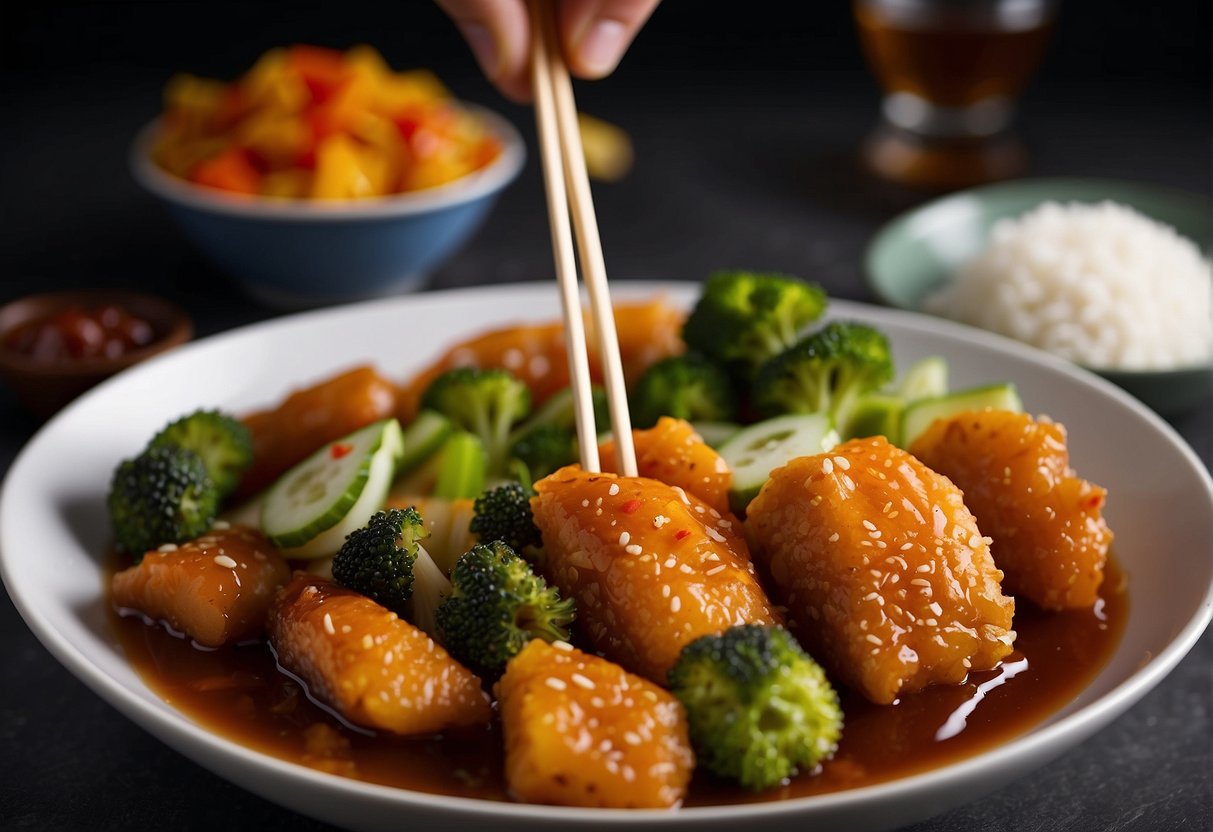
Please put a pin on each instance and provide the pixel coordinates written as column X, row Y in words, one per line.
column 594, row 34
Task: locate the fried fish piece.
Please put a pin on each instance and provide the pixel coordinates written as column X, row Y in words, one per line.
column 215, row 589
column 672, row 452
column 372, row 666
column 1050, row 538
column 650, row 566
column 581, row 731
column 885, row 575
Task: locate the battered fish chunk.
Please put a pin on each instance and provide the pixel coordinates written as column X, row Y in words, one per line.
column 1050, row 538
column 215, row 589
column 372, row 666
column 650, row 566
column 581, row 731
column 672, row 452
column 886, row 578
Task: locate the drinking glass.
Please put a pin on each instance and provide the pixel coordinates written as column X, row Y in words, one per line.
column 951, row 71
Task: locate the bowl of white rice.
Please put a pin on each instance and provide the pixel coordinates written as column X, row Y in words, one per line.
column 1112, row 276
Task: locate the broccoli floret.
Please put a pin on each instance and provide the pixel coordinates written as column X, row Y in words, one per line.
column 497, row 605
column 826, row 372
column 544, row 448
column 743, row 318
column 164, row 495
column 504, row 513
column 485, row 402
column 377, row 560
column 758, row 708
column 686, row 387
column 225, row 445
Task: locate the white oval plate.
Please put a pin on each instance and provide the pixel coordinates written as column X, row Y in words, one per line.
column 53, row 529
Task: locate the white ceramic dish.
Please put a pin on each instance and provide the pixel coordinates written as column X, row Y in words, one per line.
column 53, row 527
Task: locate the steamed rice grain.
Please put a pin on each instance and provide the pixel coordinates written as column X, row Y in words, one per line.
column 1101, row 285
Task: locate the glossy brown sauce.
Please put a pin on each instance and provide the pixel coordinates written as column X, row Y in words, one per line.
column 239, row 693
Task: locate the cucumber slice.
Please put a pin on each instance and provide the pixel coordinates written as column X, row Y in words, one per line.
column 311, row 508
column 878, row 414
column 715, row 434
column 926, row 379
column 919, row 415
column 422, row 439
column 755, row 451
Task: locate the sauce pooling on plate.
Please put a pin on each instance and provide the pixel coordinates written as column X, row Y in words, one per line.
column 239, row 693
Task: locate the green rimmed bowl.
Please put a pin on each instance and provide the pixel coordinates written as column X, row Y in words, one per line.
column 921, row 250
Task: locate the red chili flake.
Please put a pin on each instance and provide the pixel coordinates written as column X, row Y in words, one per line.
column 338, row 450
column 1094, row 501
column 681, row 533
column 631, row 506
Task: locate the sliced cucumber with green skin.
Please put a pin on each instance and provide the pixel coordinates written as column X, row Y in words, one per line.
column 878, row 414
column 921, row 414
column 311, row 508
column 755, row 451
column 926, row 379
column 715, row 434
column 422, row 439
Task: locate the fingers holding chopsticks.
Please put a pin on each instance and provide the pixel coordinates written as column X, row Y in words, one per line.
column 594, row 36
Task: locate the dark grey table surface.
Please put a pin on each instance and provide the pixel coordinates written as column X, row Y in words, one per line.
column 754, row 171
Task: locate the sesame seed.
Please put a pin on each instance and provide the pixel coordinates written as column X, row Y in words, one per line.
column 874, row 535
column 873, row 638
column 827, row 466
column 906, row 546
column 699, row 510
column 633, row 549
column 614, row 489
column 675, row 604
column 328, row 625
column 724, row 524
column 624, row 537
column 920, row 582
column 935, row 608
column 555, row 684
column 631, row 738
column 871, row 596
column 670, row 562
column 167, row 547
column 585, row 503
column 714, row 570
column 225, row 561
column 582, row 681
column 931, row 622
column 834, row 537
column 388, row 656
column 597, row 702
column 665, row 590
column 975, row 541
column 660, row 520
column 842, row 462
column 562, row 645
column 885, row 509
column 367, row 641
column 848, row 482
column 923, row 567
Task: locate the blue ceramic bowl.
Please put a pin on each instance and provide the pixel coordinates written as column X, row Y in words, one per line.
column 300, row 253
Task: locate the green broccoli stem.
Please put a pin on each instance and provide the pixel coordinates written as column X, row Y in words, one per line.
column 464, row 468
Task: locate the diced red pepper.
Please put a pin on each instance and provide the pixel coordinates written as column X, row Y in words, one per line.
column 322, row 70
column 631, row 506
column 231, row 170
column 338, row 450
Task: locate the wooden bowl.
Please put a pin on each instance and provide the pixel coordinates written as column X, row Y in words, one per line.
column 44, row 386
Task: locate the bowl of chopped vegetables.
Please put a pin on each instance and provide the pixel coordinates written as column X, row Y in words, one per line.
column 322, row 176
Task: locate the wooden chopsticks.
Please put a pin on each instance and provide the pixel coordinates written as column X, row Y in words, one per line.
column 567, row 187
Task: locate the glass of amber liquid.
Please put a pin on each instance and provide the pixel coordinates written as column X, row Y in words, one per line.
column 951, row 71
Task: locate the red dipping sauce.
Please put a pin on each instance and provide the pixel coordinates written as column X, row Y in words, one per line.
column 79, row 332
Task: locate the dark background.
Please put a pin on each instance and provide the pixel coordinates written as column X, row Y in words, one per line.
column 746, row 119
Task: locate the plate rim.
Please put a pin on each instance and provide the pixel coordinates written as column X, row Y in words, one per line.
column 1038, row 742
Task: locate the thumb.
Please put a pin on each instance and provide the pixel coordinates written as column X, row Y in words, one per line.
column 499, row 32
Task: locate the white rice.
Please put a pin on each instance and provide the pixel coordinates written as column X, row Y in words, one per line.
column 1101, row 285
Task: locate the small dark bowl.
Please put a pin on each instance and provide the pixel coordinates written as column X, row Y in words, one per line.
column 46, row 386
